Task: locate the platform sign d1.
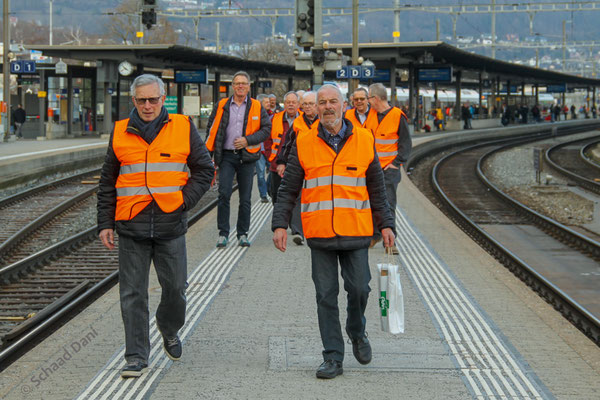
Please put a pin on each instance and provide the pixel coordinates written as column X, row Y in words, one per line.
column 22, row 67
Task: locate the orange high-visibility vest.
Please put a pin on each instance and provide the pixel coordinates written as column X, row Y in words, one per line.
column 156, row 171
column 276, row 133
column 335, row 200
column 386, row 136
column 252, row 126
column 370, row 123
column 300, row 124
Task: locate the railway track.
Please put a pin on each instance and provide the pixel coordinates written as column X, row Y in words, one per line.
column 44, row 214
column 44, row 282
column 548, row 256
column 568, row 160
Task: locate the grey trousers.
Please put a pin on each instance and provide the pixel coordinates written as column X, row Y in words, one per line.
column 356, row 274
column 170, row 262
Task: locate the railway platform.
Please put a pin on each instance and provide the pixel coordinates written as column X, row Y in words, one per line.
column 25, row 159
column 473, row 330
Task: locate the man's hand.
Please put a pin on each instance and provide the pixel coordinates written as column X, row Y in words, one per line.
column 107, row 237
column 388, row 237
column 280, row 169
column 280, row 239
column 240, row 143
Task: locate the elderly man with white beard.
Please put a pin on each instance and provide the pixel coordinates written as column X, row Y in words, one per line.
column 336, row 167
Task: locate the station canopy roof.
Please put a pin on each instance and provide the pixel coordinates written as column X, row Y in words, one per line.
column 170, row 57
column 384, row 55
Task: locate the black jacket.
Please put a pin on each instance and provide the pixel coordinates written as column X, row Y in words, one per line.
column 292, row 184
column 257, row 137
column 19, row 115
column 152, row 222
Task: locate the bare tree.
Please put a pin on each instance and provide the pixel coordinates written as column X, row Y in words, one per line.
column 29, row 32
column 270, row 50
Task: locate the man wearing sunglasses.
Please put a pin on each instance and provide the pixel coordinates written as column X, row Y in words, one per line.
column 237, row 127
column 362, row 114
column 156, row 168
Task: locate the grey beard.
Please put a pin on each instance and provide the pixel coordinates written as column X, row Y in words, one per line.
column 331, row 125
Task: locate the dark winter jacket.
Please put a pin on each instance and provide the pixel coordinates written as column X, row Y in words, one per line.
column 292, row 184
column 152, row 222
column 256, row 138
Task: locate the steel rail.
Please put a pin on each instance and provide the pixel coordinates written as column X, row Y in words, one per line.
column 31, row 227
column 37, row 189
column 582, row 181
column 561, row 301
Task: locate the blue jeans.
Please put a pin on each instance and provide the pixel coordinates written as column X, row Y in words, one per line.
column 170, row 261
column 261, row 165
column 231, row 166
column 356, row 274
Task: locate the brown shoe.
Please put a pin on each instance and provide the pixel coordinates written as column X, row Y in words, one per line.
column 374, row 242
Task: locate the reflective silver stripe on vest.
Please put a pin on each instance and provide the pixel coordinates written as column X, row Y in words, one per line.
column 337, row 180
column 387, row 154
column 339, row 203
column 386, row 141
column 132, row 191
column 153, row 167
column 165, row 189
column 277, row 141
column 143, row 190
column 257, row 146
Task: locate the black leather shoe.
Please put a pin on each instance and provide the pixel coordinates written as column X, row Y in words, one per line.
column 361, row 348
column 173, row 347
column 330, row 369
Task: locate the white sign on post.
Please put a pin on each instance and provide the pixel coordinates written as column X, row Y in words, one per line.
column 191, row 105
column 60, row 67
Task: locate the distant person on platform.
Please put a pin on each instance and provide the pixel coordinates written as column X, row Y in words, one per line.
column 266, row 103
column 393, row 145
column 281, row 125
column 465, row 113
column 305, row 121
column 19, row 118
column 156, row 168
column 263, row 179
column 275, row 106
column 237, row 127
column 336, row 167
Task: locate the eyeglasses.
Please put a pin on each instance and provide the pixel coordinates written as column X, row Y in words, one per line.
column 240, row 83
column 370, row 97
column 151, row 100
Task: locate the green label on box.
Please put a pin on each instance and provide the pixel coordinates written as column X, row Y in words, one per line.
column 384, row 303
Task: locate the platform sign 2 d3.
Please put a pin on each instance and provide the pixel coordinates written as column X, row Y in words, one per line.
column 22, row 67
column 355, row 72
